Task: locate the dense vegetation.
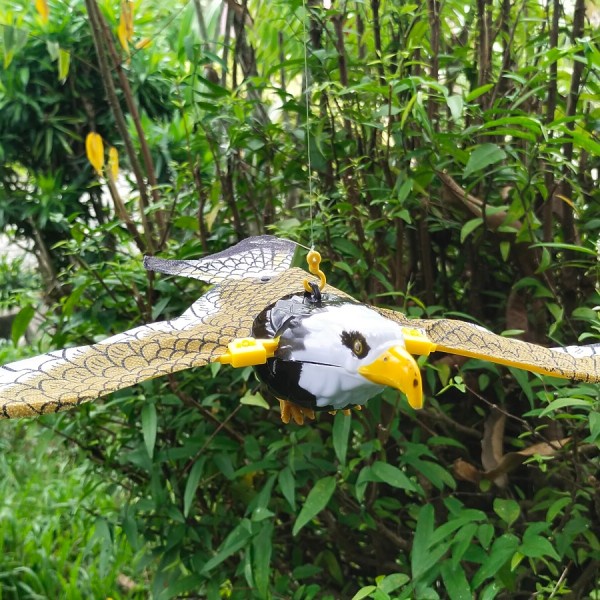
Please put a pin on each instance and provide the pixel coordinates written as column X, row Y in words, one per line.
column 454, row 155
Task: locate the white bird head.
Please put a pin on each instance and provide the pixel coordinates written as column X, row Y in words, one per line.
column 343, row 353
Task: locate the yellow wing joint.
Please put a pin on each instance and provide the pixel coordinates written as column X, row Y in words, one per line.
column 417, row 342
column 247, row 352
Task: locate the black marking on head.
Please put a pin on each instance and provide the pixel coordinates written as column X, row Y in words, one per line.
column 356, row 342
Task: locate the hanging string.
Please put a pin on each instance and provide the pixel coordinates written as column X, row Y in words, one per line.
column 307, row 125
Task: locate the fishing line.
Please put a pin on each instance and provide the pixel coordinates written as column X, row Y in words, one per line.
column 307, row 125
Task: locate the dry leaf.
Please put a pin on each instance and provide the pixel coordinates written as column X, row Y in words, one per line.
column 492, row 445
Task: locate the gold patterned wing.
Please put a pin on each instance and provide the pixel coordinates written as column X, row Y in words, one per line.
column 466, row 339
column 65, row 378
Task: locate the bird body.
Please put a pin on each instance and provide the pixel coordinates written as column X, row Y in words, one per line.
column 332, row 352
column 322, row 347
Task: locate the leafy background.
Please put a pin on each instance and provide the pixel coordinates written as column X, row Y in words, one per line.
column 454, row 160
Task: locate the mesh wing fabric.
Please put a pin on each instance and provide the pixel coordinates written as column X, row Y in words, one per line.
column 261, row 256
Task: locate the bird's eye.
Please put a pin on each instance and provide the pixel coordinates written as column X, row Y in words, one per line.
column 356, row 342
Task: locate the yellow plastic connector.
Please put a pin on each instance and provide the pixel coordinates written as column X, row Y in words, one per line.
column 313, row 258
column 417, row 342
column 247, row 352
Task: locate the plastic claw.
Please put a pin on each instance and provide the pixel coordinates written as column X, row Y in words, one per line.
column 347, row 412
column 358, row 407
column 289, row 410
column 247, row 352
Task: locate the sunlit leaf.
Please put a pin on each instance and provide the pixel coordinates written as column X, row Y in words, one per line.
column 113, row 162
column 94, row 149
column 125, row 29
column 64, row 62
column 42, row 7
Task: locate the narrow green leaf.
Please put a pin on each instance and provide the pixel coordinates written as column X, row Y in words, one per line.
column 560, row 403
column 479, row 92
column 262, row 549
column 192, row 485
column 364, row 592
column 392, row 476
column 340, row 434
column 21, row 322
column 316, row 501
column 483, row 156
column 287, row 485
column 420, row 549
column 64, row 61
column 455, row 582
column 237, row 539
column 149, row 425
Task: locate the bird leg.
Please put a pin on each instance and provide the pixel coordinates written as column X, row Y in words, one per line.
column 294, row 411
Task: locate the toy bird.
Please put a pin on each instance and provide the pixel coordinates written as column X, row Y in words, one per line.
column 314, row 347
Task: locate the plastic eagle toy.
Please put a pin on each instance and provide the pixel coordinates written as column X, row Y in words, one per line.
column 313, row 346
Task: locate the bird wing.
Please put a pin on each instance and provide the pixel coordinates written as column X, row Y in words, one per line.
column 65, row 378
column 259, row 256
column 466, row 339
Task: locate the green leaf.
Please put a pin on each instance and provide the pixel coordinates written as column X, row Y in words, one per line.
column 392, row 476
column 479, row 92
column 149, row 426
column 392, row 582
column 469, row 227
column 483, row 156
column 236, row 540
column 508, row 510
column 287, row 485
column 316, row 501
column 594, row 419
column 262, row 548
column 364, row 592
column 64, row 60
column 254, row 400
column 564, row 403
column 192, row 484
column 502, row 550
column 455, row 582
column 455, row 104
column 340, row 434
column 21, row 322
column 536, row 546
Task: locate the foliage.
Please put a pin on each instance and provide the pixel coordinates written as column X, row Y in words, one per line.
column 56, row 539
column 454, row 161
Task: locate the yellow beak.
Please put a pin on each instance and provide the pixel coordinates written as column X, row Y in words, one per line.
column 398, row 369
